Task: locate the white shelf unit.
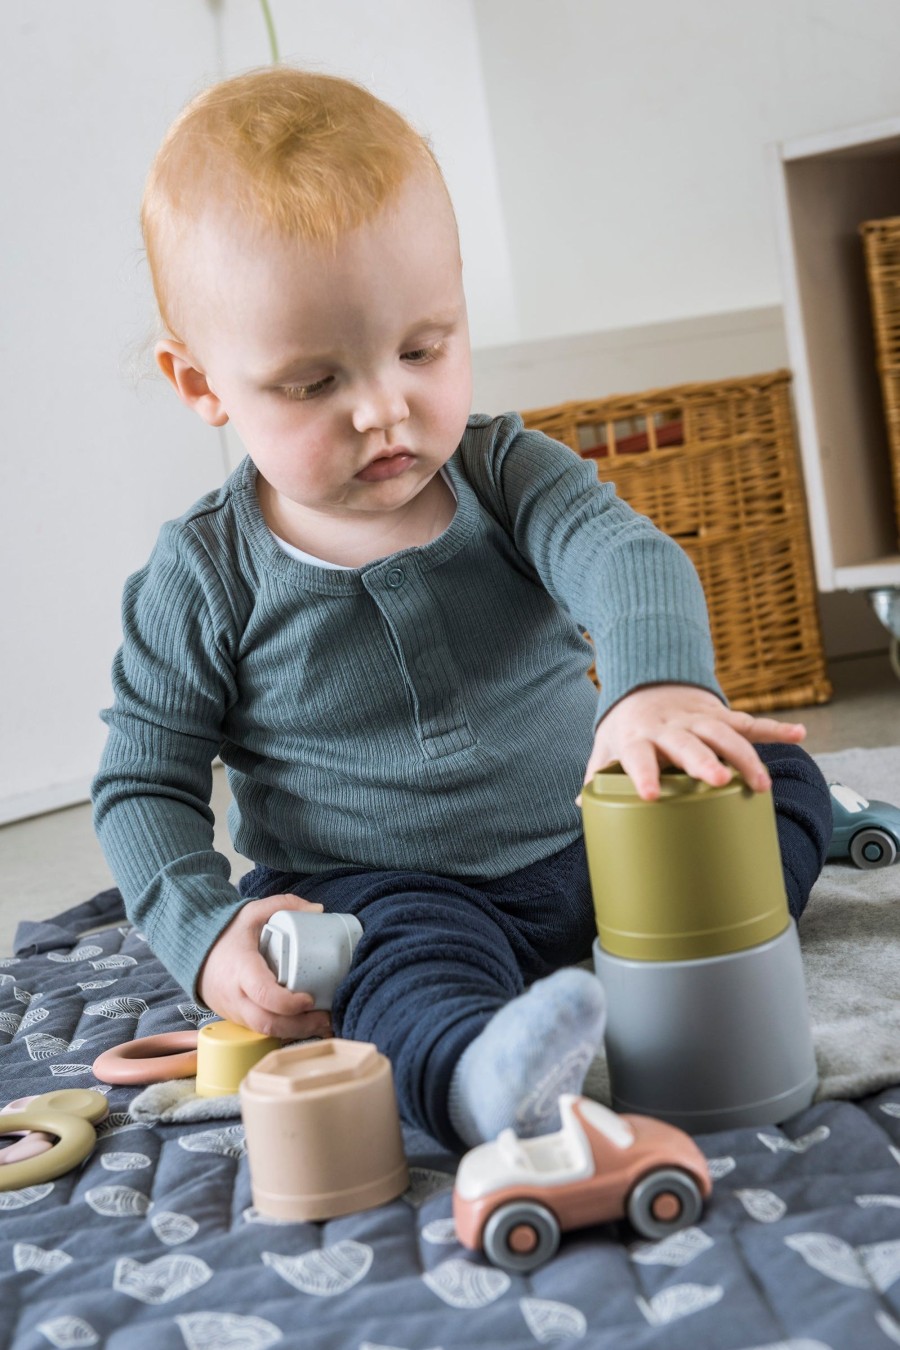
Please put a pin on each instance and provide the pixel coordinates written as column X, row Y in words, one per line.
column 826, row 186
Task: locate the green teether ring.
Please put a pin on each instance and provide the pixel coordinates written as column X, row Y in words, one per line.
column 75, row 1137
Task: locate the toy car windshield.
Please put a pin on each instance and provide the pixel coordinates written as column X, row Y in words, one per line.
column 848, row 798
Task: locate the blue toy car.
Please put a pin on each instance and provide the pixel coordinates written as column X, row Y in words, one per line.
column 866, row 832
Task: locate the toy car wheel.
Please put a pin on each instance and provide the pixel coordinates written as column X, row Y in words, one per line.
column 520, row 1236
column 873, row 848
column 664, row 1201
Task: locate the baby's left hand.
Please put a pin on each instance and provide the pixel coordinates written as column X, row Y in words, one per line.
column 688, row 727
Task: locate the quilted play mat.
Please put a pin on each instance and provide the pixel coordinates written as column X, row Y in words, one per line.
column 153, row 1242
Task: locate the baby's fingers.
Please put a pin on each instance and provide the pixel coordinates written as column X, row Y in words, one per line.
column 694, row 751
column 640, row 761
column 762, row 729
column 734, row 748
column 269, row 1008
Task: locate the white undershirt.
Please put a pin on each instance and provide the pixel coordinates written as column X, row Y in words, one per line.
column 299, row 554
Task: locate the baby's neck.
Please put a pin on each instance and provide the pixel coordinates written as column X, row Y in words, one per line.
column 355, row 543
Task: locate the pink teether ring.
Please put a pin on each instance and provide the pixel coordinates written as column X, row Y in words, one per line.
column 150, row 1059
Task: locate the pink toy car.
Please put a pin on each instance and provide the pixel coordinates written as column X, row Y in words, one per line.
column 513, row 1197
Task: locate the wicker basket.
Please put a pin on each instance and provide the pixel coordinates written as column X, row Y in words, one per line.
column 715, row 466
column 881, row 242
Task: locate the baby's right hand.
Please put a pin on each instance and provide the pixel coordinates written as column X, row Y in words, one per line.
column 236, row 982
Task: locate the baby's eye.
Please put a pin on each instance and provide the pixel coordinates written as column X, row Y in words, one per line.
column 421, row 355
column 301, row 392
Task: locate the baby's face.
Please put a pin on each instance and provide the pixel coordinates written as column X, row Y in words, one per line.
column 346, row 374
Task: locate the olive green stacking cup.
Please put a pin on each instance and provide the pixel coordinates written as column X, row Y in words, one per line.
column 696, row 873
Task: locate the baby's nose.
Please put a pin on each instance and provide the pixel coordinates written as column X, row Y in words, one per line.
column 379, row 407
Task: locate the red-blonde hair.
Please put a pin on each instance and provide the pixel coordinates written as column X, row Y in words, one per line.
column 309, row 156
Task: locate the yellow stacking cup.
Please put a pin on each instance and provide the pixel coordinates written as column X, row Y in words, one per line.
column 226, row 1052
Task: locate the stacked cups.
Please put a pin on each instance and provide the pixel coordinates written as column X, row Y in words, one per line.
column 707, row 1020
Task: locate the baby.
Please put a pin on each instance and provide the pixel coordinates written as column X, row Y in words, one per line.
column 377, row 623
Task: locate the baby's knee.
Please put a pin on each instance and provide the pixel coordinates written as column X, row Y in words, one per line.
column 803, row 817
column 798, row 785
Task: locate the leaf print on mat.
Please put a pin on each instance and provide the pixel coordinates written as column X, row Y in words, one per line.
column 193, row 1013
column 26, row 1256
column 680, row 1300
column 889, row 1325
column 440, row 1232
column 162, row 1280
column 764, row 1206
column 882, row 1262
column 870, row 1201
column 41, row 1046
column 117, row 962
column 462, row 1285
column 548, row 1320
column 326, row 1271
column 890, row 1108
column 226, row 1331
column 34, row 1015
column 117, row 1121
column 124, row 1162
column 69, row 1070
column 230, row 1141
column 79, row 954
column 172, row 1228
column 117, row 1006
column 10, row 1022
column 831, row 1256
column 424, row 1182
column 778, row 1144
column 67, row 1333
column 676, row 1250
column 252, row 1215
column 118, row 1202
column 95, row 984
column 28, row 1195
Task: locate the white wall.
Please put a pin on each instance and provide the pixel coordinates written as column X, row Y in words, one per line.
column 631, row 143
column 90, row 465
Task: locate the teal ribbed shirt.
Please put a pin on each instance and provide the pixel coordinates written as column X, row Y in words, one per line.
column 430, row 710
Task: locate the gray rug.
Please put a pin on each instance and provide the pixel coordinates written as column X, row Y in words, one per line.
column 850, row 938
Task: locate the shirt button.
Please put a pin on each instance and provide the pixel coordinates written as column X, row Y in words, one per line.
column 394, row 577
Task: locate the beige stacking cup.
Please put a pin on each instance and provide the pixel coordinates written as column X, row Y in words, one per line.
column 323, row 1131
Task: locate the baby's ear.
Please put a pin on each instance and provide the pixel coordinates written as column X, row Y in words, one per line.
column 189, row 381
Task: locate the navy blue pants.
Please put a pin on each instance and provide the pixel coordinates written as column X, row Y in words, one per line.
column 438, row 957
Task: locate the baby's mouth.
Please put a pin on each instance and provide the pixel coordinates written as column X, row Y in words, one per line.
column 389, row 465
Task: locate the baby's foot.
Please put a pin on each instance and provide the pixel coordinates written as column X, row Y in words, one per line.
column 533, row 1049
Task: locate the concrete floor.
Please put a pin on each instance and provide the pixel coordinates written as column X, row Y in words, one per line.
column 51, row 862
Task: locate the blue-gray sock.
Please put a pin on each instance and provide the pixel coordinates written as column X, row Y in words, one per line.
column 534, row 1048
